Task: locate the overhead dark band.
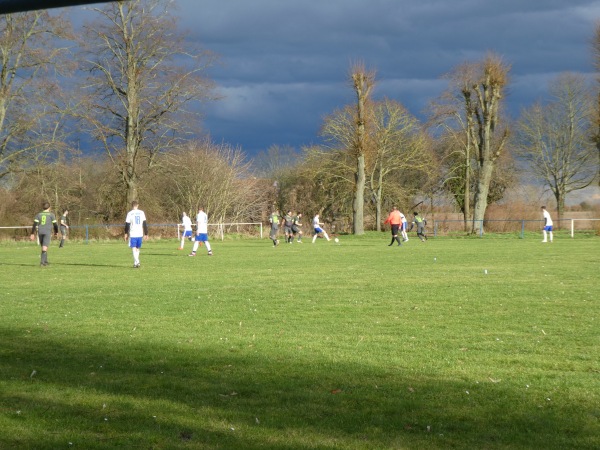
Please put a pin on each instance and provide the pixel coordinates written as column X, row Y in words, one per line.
column 13, row 6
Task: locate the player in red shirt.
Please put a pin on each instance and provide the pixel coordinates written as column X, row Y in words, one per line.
column 395, row 221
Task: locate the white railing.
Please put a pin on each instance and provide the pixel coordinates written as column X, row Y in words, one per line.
column 579, row 220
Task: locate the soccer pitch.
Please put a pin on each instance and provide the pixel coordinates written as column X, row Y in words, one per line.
column 452, row 343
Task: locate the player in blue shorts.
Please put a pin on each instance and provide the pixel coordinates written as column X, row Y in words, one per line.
column 201, row 232
column 547, row 225
column 187, row 229
column 318, row 230
column 136, row 229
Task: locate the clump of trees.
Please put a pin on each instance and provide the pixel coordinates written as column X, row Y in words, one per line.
column 134, row 112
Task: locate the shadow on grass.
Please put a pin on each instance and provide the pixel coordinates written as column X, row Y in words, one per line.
column 148, row 396
column 59, row 264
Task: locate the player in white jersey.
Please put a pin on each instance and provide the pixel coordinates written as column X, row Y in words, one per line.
column 136, row 229
column 547, row 225
column 403, row 227
column 318, row 230
column 201, row 232
column 187, row 229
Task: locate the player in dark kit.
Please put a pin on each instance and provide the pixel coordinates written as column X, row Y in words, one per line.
column 64, row 227
column 44, row 223
column 288, row 221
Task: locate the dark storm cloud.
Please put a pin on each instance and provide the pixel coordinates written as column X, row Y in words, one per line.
column 284, row 64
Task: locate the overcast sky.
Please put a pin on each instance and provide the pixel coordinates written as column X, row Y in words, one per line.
column 284, row 63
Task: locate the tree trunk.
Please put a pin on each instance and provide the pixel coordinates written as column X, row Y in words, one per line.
column 560, row 205
column 481, row 194
column 358, row 226
column 378, row 204
column 363, row 82
column 467, row 198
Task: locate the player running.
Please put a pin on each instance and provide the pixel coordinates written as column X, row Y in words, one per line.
column 395, row 220
column 420, row 222
column 318, row 230
column 296, row 227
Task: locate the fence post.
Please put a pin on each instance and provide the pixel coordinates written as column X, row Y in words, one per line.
column 522, row 229
column 481, row 229
column 435, row 224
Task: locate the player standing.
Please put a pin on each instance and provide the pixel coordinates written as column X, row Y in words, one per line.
column 547, row 231
column 186, row 222
column 44, row 222
column 201, row 232
column 136, row 229
column 64, row 227
column 404, row 227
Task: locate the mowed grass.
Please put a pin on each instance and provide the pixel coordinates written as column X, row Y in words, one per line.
column 350, row 346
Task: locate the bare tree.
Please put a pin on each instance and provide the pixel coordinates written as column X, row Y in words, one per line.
column 398, row 145
column 488, row 90
column 596, row 54
column 554, row 138
column 454, row 112
column 393, row 145
column 326, row 177
column 216, row 177
column 30, row 112
column 475, row 93
column 141, row 80
column 277, row 164
column 363, row 82
column 275, row 159
column 346, row 131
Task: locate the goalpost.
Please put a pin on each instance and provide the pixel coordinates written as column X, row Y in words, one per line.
column 220, row 228
column 594, row 227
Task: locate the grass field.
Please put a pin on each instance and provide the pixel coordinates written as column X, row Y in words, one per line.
column 324, row 346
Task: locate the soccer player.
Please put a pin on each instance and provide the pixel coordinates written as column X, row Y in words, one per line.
column 44, row 222
column 395, row 220
column 404, row 227
column 136, row 229
column 186, row 222
column 201, row 232
column 296, row 227
column 288, row 221
column 420, row 222
column 64, row 227
column 318, row 229
column 274, row 221
column 547, row 231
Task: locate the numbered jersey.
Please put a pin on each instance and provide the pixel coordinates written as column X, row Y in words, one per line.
column 135, row 219
column 202, row 220
column 45, row 222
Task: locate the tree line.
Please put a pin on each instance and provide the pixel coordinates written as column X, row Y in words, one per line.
column 128, row 89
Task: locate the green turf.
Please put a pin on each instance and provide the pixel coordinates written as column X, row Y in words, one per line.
column 350, row 346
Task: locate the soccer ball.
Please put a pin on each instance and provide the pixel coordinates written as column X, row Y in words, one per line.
column 336, row 240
